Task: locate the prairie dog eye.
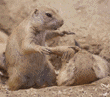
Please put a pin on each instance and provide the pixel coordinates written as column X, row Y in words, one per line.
column 48, row 14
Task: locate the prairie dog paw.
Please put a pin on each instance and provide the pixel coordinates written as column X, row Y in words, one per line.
column 67, row 55
column 76, row 48
column 45, row 50
column 66, row 32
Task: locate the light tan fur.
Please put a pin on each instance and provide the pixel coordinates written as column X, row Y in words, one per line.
column 3, row 42
column 2, row 55
column 3, row 37
column 83, row 68
column 26, row 61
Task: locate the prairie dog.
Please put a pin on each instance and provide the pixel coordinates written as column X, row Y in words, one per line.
column 26, row 61
column 83, row 68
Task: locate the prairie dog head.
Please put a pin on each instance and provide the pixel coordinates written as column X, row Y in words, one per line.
column 101, row 67
column 44, row 18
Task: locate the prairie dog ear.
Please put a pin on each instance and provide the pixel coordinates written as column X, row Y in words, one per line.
column 35, row 11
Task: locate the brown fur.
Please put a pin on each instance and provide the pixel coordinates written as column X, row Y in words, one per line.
column 3, row 72
column 26, row 62
column 3, row 42
column 83, row 68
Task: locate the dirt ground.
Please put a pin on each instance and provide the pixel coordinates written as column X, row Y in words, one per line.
column 88, row 19
column 99, row 88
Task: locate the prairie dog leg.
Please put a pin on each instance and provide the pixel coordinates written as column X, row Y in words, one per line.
column 65, row 52
column 28, row 47
column 54, row 34
column 59, row 50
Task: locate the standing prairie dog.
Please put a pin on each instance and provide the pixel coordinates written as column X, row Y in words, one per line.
column 26, row 62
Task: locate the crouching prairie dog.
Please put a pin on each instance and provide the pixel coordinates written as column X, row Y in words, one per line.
column 26, row 62
column 83, row 68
